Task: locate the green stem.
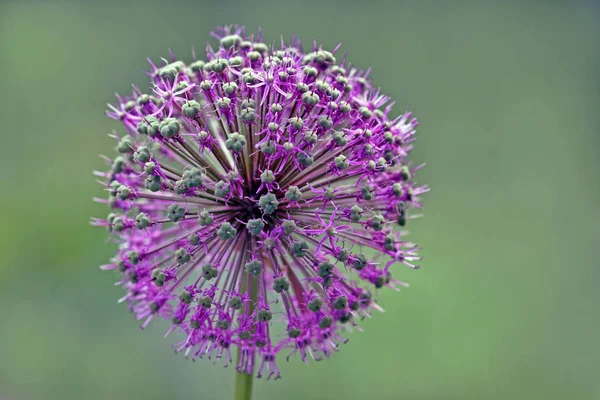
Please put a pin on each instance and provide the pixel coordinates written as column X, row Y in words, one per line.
column 243, row 381
column 243, row 385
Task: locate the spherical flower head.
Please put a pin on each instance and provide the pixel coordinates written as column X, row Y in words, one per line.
column 258, row 197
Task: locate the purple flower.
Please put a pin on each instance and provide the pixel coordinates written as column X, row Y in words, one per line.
column 255, row 198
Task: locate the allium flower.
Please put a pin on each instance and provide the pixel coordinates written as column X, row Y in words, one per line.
column 254, row 200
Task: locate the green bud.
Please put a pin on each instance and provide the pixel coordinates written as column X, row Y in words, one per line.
column 377, row 221
column 397, row 189
column 249, row 78
column 143, row 99
column 355, row 213
column 293, row 193
column 191, row 108
column 180, row 86
column 235, row 142
column 222, row 189
column 310, row 137
column 203, row 135
column 325, row 122
column 142, row 221
column 230, row 87
column 283, row 76
column 329, row 193
column 254, row 55
column 289, row 226
column 248, row 114
column 142, row 154
column 170, row 71
column 405, row 174
column 280, row 284
column 268, row 203
column 123, row 192
column 195, row 324
column 304, row 159
column 342, row 80
column 254, row 267
column 268, row 147
column 149, row 167
column 347, row 317
column 192, row 177
column 197, row 66
column 401, row 220
column 320, row 57
column 169, row 128
column 205, row 218
column 118, row 225
column 389, row 243
column 325, row 322
column 276, row 108
column 310, row 98
column 296, row 122
column 381, row 163
column 390, row 157
column 205, row 302
column 380, row 281
column 133, row 257
column 231, row 41
column 118, row 164
column 302, row 87
column 340, row 303
column 153, row 183
column 255, row 226
column 310, row 71
column 153, row 306
column 339, row 138
column 367, row 192
column 264, row 315
column 222, row 324
column 245, row 335
column 209, row 272
column 219, row 65
column 288, row 147
column 114, row 188
column 235, row 302
column 325, row 269
column 342, row 255
column 345, row 107
column 294, row 333
column 125, row 145
column 175, row 212
column 226, row 231
column 299, row 249
column 182, row 256
column 267, row 176
column 205, row 85
column 261, row 47
column 365, row 112
column 359, row 261
column 193, row 239
column 315, row 304
column 341, row 162
column 224, row 103
column 185, row 297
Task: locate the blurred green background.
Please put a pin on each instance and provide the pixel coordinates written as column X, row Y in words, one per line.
column 505, row 305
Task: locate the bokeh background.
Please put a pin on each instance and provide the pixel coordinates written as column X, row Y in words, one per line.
column 505, row 305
